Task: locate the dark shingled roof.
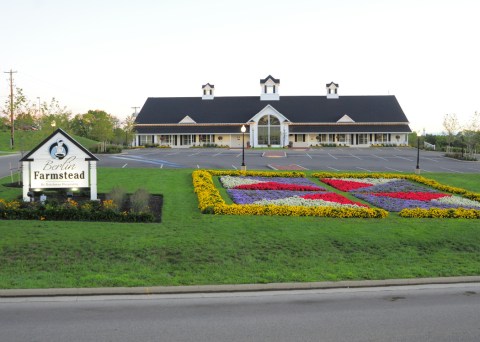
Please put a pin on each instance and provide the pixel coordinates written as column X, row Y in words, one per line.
column 193, row 129
column 276, row 80
column 297, row 109
column 329, row 84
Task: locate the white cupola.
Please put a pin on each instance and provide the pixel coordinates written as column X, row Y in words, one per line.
column 332, row 90
column 208, row 90
column 270, row 87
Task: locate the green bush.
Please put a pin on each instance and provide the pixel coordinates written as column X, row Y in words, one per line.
column 139, row 201
column 119, row 197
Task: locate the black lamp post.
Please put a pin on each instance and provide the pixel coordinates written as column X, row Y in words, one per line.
column 417, row 169
column 243, row 129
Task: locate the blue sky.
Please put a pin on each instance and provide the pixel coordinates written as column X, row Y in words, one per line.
column 112, row 55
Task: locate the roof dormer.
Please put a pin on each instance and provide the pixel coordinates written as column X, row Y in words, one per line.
column 332, row 90
column 208, row 90
column 270, row 87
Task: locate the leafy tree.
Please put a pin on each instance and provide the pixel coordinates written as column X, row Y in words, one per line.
column 451, row 126
column 96, row 125
column 129, row 128
column 471, row 132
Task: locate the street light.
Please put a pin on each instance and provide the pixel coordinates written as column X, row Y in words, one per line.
column 417, row 169
column 243, row 129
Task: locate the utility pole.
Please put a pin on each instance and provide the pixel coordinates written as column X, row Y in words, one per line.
column 11, row 107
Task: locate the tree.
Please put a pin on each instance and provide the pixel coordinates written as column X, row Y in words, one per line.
column 129, row 128
column 53, row 115
column 471, row 133
column 451, row 126
column 96, row 125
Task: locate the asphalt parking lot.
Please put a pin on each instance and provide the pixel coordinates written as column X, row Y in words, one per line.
column 388, row 159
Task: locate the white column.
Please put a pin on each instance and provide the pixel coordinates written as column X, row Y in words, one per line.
column 26, row 180
column 93, row 180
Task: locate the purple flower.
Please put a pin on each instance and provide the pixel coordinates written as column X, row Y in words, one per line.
column 396, row 186
column 250, row 196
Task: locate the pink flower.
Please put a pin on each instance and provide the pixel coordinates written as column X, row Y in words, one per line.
column 345, row 185
column 417, row 196
column 278, row 186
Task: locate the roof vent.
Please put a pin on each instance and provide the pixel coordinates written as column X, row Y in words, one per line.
column 332, row 92
column 270, row 87
column 208, row 90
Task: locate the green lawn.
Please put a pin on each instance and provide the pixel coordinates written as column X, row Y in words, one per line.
column 26, row 140
column 191, row 248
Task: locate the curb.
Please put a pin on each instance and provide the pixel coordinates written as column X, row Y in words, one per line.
column 55, row 292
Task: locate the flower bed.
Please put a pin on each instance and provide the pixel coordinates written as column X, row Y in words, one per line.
column 407, row 194
column 274, row 193
column 71, row 210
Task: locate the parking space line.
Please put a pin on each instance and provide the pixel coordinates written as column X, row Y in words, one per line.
column 403, row 158
column 238, row 155
column 272, row 167
column 198, row 166
column 309, row 156
column 444, row 168
column 332, row 156
column 379, row 157
column 161, row 166
column 332, row 168
column 361, row 168
column 300, row 166
column 426, row 170
column 234, row 167
column 355, row 156
column 194, row 154
column 436, row 161
column 389, row 168
column 219, row 153
column 124, row 165
column 172, row 154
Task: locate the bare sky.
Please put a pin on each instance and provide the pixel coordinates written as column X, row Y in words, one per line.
column 112, row 55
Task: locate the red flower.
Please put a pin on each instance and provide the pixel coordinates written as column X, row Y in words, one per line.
column 332, row 197
column 417, row 196
column 344, row 185
column 278, row 186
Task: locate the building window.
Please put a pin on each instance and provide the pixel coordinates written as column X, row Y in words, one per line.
column 381, row 137
column 299, row 137
column 268, row 130
column 341, row 138
column 165, row 139
column 144, row 140
column 186, row 140
column 362, row 139
column 205, row 138
column 269, row 89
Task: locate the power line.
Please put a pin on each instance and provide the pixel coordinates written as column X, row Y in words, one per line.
column 11, row 107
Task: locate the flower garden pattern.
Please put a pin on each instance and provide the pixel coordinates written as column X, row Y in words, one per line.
column 292, row 194
column 274, row 193
column 411, row 196
column 397, row 194
column 282, row 191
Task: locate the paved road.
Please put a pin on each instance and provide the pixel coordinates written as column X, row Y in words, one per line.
column 9, row 161
column 330, row 159
column 415, row 313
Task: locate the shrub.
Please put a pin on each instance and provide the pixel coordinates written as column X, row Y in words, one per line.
column 118, row 196
column 139, row 201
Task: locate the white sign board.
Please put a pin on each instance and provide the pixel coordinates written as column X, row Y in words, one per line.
column 59, row 162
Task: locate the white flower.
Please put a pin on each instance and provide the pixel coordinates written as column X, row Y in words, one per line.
column 303, row 202
column 231, row 182
column 457, row 201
